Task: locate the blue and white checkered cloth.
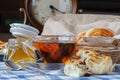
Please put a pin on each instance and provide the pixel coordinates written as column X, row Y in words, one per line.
column 51, row 75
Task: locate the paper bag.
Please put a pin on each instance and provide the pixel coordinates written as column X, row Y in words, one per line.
column 76, row 23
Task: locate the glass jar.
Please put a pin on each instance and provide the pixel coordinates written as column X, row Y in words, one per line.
column 16, row 51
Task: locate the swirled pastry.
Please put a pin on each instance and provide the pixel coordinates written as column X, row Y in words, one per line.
column 2, row 46
column 90, row 61
column 80, row 36
column 96, row 62
column 96, row 31
column 84, row 53
column 100, row 31
column 99, row 64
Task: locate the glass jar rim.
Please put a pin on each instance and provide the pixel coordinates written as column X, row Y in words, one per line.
column 55, row 38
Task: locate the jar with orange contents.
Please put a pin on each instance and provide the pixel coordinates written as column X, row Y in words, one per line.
column 16, row 51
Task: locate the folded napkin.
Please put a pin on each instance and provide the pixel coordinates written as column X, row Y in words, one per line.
column 76, row 23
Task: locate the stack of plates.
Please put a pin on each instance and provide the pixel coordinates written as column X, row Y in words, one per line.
column 23, row 30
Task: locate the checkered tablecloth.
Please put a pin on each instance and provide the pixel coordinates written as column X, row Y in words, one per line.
column 6, row 74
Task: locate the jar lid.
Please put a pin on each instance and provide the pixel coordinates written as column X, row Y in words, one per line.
column 22, row 30
column 24, row 26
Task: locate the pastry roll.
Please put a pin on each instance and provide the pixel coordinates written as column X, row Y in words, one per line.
column 96, row 62
column 84, row 53
column 100, row 31
column 99, row 64
column 80, row 36
column 75, row 69
column 96, row 31
column 2, row 47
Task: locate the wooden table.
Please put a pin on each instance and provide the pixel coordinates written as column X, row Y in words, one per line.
column 5, row 36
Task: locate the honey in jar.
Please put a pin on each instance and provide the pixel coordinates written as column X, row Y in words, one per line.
column 16, row 52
